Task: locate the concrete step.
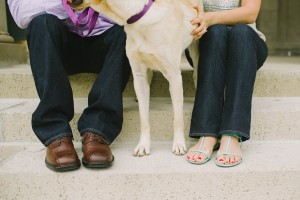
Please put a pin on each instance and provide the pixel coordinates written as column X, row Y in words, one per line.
column 278, row 77
column 12, row 54
column 270, row 170
column 274, row 118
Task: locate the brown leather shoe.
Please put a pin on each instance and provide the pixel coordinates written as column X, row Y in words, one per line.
column 96, row 152
column 61, row 155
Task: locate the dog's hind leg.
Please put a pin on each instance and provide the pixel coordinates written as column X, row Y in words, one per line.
column 142, row 89
column 173, row 75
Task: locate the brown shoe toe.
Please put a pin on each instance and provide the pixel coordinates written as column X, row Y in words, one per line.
column 96, row 152
column 61, row 155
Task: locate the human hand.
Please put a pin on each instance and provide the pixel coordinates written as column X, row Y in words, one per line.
column 201, row 21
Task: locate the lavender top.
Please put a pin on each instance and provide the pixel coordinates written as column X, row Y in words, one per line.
column 23, row 11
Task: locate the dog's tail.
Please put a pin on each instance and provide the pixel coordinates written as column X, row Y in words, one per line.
column 194, row 54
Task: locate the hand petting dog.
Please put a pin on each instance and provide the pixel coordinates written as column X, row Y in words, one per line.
column 201, row 20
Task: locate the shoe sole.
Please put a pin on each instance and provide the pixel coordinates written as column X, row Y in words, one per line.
column 98, row 165
column 63, row 168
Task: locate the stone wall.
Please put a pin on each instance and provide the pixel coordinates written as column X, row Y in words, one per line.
column 4, row 36
column 279, row 21
column 10, row 52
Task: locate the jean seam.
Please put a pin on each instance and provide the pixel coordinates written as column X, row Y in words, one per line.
column 49, row 141
column 233, row 131
column 203, row 134
column 104, row 137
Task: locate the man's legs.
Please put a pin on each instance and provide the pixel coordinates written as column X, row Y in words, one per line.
column 55, row 53
column 48, row 40
column 101, row 122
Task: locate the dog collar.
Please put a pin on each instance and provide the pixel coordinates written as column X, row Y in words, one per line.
column 138, row 16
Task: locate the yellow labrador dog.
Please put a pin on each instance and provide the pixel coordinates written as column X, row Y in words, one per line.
column 157, row 33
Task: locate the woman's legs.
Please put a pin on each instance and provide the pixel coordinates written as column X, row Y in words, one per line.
column 206, row 116
column 246, row 54
column 227, row 59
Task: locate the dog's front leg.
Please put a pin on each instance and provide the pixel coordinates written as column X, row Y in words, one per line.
column 142, row 89
column 176, row 91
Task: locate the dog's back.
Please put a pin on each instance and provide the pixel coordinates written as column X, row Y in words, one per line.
column 165, row 28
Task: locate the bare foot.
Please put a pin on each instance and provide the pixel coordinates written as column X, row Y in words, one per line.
column 205, row 144
column 234, row 148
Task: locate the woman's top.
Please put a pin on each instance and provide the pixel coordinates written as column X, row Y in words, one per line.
column 220, row 5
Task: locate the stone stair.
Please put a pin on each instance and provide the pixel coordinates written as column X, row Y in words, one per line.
column 270, row 169
column 278, row 77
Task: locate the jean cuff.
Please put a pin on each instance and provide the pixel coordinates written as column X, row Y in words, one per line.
column 243, row 136
column 49, row 141
column 104, row 137
column 198, row 135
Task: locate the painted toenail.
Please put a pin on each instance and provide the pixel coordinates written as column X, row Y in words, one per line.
column 221, row 160
column 188, row 157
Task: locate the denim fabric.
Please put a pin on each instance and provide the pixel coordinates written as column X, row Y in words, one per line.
column 229, row 59
column 56, row 53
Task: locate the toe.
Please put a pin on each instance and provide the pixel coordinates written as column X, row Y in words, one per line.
column 237, row 159
column 232, row 160
column 227, row 160
column 181, row 151
column 141, row 152
column 147, row 151
column 221, row 159
column 190, row 156
column 195, row 157
column 135, row 152
column 199, row 158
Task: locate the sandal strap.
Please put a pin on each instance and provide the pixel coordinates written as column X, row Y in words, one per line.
column 200, row 149
column 228, row 145
column 236, row 136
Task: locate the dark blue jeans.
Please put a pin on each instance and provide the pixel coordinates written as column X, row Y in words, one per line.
column 229, row 59
column 56, row 53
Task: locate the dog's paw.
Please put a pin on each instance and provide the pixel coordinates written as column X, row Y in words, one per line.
column 179, row 148
column 141, row 150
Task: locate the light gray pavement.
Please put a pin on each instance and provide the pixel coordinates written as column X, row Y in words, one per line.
column 270, row 170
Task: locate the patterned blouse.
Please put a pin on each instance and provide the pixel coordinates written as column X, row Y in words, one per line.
column 217, row 5
column 220, row 5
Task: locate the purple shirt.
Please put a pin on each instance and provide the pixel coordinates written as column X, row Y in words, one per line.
column 23, row 11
